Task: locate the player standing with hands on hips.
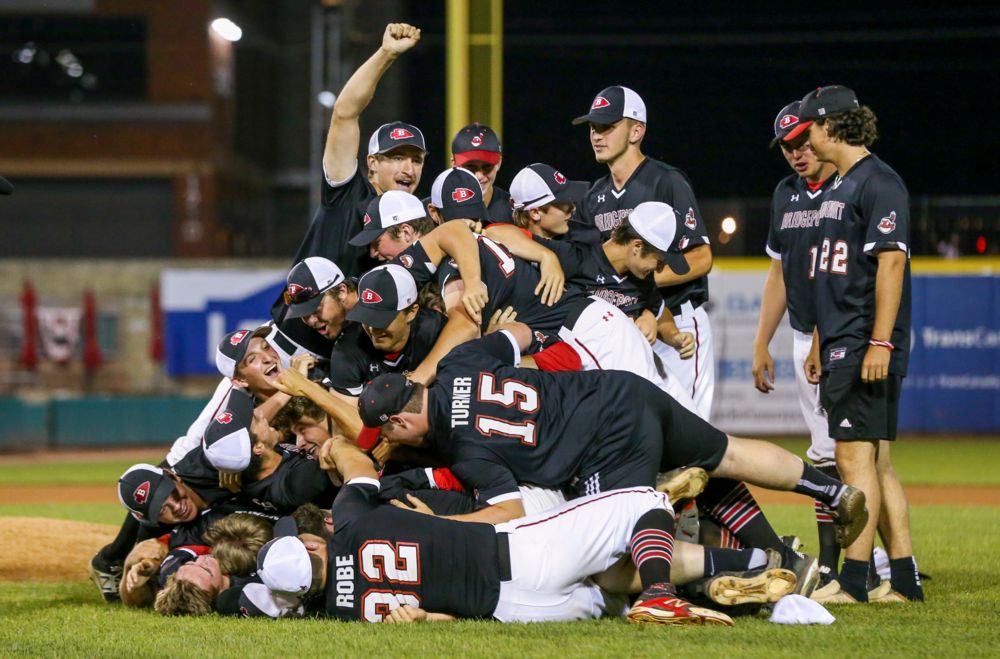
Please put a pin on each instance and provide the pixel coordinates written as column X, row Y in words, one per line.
column 862, row 295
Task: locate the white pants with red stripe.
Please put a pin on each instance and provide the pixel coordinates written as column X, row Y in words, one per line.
column 697, row 374
column 822, row 447
column 606, row 339
column 553, row 554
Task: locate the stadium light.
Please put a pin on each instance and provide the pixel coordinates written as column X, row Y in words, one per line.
column 227, row 29
column 729, row 225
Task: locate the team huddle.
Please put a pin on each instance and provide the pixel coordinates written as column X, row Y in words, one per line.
column 451, row 388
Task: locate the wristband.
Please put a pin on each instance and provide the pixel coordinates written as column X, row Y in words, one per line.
column 881, row 344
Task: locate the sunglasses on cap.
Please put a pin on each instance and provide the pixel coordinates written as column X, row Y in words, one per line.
column 296, row 294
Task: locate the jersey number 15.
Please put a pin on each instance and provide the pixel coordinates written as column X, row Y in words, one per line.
column 512, row 393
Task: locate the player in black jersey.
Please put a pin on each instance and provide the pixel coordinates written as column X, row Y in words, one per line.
column 862, row 294
column 386, row 565
column 392, row 333
column 497, row 425
column 476, row 148
column 395, row 160
column 617, row 120
column 791, row 238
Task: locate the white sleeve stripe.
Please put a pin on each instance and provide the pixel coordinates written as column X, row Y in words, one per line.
column 500, row 498
column 513, row 344
column 364, row 480
column 355, row 391
column 430, row 478
column 867, row 249
column 337, row 184
column 773, row 254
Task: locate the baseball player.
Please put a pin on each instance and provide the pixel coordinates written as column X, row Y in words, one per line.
column 792, row 235
column 617, row 120
column 861, row 274
column 456, row 195
column 497, row 425
column 396, row 566
column 476, row 148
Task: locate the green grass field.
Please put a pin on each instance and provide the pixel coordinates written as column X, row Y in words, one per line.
column 955, row 544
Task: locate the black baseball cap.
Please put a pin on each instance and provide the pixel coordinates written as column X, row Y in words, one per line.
column 226, row 441
column 613, row 104
column 307, row 282
column 457, row 195
column 394, row 135
column 380, row 399
column 382, row 293
column 476, row 142
column 540, row 184
column 231, row 351
column 387, row 210
column 822, row 102
column 786, row 121
column 143, row 489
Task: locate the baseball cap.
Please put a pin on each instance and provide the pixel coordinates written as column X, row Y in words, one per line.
column 283, row 564
column 457, row 195
column 476, row 142
column 226, row 441
column 387, row 210
column 656, row 222
column 306, row 283
column 380, row 399
column 394, row 135
column 822, row 102
column 143, row 489
column 539, row 184
column 382, row 293
column 255, row 600
column 613, row 104
column 232, row 348
column 786, row 121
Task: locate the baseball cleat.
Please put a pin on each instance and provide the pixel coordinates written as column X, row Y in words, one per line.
column 682, row 483
column 660, row 605
column 850, row 516
column 107, row 577
column 832, row 593
column 806, row 570
column 884, row 594
column 753, row 587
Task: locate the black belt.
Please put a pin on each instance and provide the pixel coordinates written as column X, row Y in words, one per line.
column 676, row 309
column 503, row 556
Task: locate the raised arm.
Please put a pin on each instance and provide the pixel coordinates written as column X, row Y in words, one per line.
column 340, row 157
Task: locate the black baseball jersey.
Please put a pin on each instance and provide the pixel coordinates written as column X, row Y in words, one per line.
column 339, row 218
column 864, row 212
column 498, row 426
column 355, row 360
column 511, row 281
column 499, row 208
column 297, row 480
column 790, row 238
column 586, row 266
column 605, row 207
column 192, row 533
column 380, row 555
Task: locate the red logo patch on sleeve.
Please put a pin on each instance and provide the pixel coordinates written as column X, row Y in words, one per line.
column 462, row 194
column 406, row 260
column 141, row 493
column 690, row 221
column 370, row 297
column 888, row 224
column 225, row 417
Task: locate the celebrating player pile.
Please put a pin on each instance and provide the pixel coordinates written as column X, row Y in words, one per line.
column 531, row 374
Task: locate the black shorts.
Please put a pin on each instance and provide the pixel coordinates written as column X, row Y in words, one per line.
column 857, row 410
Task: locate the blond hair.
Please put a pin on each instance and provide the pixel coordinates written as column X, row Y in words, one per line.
column 235, row 541
column 183, row 598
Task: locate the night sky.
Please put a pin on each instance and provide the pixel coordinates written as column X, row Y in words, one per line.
column 713, row 80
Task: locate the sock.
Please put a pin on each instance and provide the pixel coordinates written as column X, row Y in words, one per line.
column 819, row 486
column 905, row 578
column 652, row 546
column 732, row 560
column 730, row 503
column 854, row 579
column 119, row 548
column 829, row 550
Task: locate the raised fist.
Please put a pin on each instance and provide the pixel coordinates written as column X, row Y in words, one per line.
column 399, row 38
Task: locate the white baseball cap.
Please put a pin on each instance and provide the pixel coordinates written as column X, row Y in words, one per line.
column 656, row 223
column 283, row 564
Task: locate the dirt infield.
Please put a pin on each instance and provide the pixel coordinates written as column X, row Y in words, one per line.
column 36, row 549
